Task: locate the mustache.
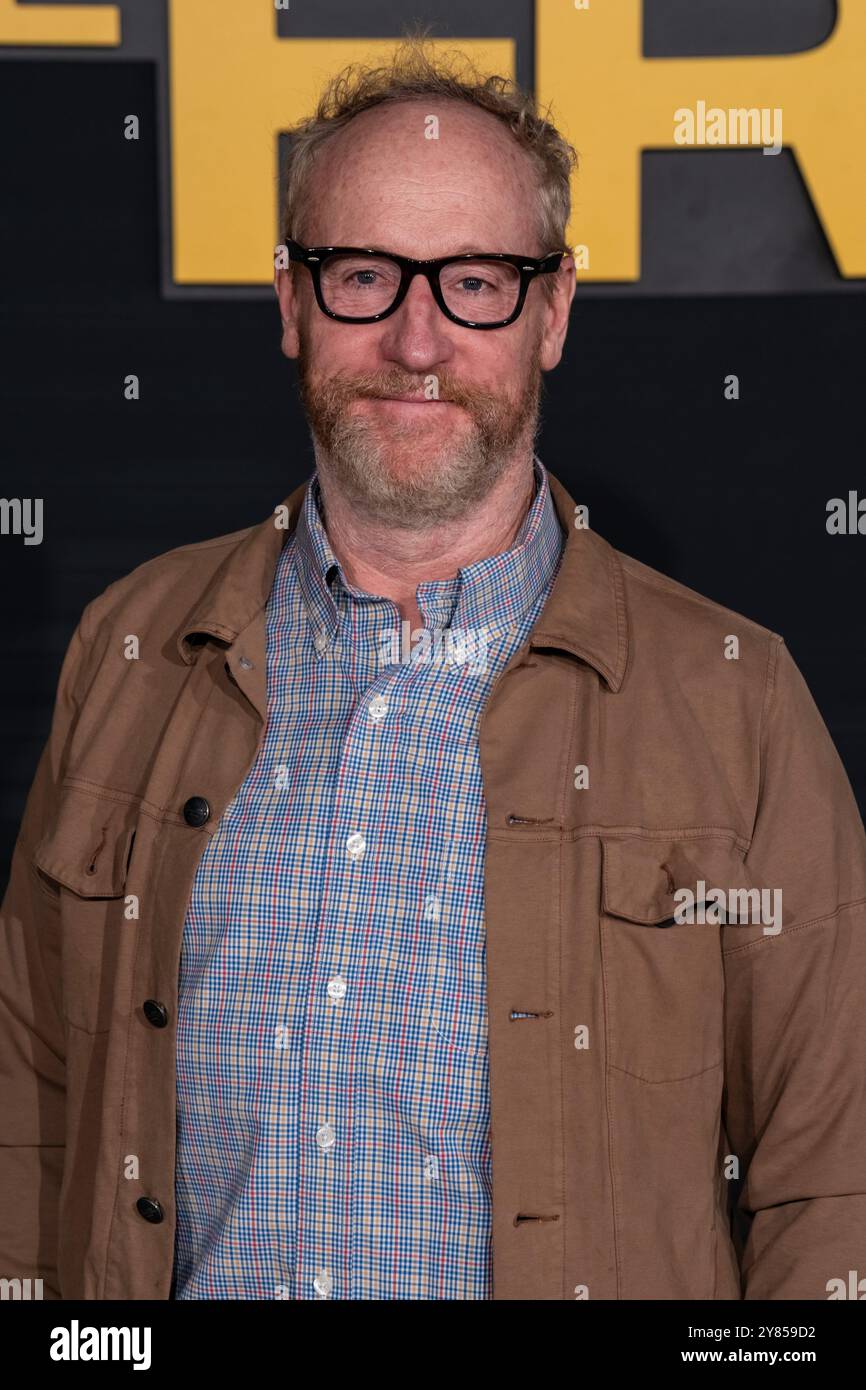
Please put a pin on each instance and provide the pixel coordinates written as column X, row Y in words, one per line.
column 442, row 386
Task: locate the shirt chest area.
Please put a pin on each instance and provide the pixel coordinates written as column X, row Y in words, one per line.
column 349, row 866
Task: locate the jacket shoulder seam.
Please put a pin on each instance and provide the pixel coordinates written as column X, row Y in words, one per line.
column 227, row 542
column 124, row 586
column 673, row 588
column 178, row 552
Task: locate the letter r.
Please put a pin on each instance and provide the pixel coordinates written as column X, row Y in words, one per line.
column 612, row 103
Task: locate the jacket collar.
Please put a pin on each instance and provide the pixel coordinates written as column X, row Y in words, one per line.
column 585, row 613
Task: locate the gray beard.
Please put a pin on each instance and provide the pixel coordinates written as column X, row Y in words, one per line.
column 464, row 474
column 353, row 454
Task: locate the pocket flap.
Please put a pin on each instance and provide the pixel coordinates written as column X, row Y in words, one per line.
column 89, row 844
column 640, row 875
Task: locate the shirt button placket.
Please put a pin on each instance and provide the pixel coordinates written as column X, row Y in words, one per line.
column 330, row 1149
column 332, row 1144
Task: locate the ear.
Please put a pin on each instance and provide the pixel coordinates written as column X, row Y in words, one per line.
column 556, row 314
column 284, row 288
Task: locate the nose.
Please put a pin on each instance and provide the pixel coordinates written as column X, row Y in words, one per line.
column 418, row 334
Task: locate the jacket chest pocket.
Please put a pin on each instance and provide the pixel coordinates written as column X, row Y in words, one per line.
column 663, row 978
column 83, row 863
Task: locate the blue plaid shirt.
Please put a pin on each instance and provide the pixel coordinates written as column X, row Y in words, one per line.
column 333, row 1117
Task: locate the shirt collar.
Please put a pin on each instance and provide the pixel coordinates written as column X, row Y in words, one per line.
column 585, row 614
column 492, row 594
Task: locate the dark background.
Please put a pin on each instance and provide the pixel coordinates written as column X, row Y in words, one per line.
column 728, row 497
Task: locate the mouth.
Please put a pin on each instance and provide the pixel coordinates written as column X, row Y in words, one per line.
column 408, row 403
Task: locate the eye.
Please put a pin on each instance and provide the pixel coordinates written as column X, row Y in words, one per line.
column 473, row 283
column 480, row 279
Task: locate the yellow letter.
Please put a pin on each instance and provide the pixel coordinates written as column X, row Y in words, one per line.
column 612, row 103
column 93, row 26
column 234, row 85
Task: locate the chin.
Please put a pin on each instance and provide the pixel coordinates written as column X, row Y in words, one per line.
column 444, row 426
column 418, row 456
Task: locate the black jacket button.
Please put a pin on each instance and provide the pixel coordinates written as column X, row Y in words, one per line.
column 149, row 1208
column 196, row 811
column 155, row 1013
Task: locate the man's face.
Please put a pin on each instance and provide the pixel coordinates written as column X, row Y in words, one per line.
column 416, row 417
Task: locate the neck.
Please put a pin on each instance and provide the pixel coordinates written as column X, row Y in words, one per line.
column 381, row 560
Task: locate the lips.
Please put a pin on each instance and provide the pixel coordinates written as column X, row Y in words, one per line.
column 411, row 400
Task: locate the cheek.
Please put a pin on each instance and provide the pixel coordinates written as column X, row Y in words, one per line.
column 330, row 347
column 512, row 363
column 492, row 361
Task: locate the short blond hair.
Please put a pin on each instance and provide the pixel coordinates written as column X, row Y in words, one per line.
column 415, row 71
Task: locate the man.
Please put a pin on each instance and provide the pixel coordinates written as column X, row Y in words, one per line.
column 417, row 898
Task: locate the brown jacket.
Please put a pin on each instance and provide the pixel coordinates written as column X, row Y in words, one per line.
column 659, row 1055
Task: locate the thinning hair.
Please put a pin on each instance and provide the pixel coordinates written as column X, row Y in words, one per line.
column 416, row 70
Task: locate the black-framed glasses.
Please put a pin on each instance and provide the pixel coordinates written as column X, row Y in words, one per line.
column 356, row 284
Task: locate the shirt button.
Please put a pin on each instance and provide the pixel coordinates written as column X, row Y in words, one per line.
column 320, row 641
column 337, row 987
column 355, row 845
column 378, row 708
column 323, row 1283
column 431, row 908
column 196, row 811
column 325, row 1138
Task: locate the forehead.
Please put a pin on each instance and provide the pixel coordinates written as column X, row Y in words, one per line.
column 383, row 181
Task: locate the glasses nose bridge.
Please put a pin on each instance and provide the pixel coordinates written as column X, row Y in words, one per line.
column 429, row 271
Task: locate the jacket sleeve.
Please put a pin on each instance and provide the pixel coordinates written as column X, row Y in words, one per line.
column 32, row 1045
column 795, row 1012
